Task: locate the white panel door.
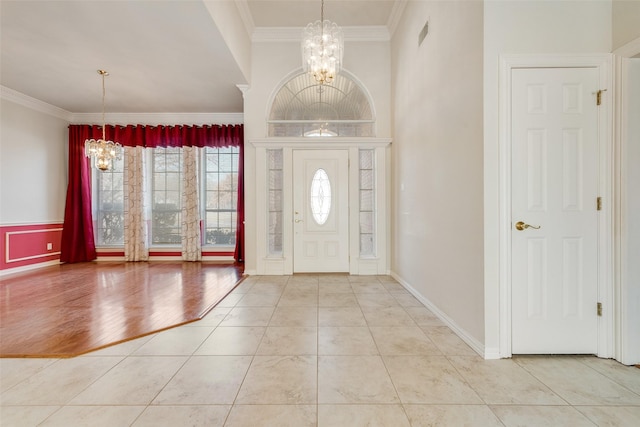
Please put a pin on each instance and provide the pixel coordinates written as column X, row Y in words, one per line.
column 321, row 211
column 554, row 187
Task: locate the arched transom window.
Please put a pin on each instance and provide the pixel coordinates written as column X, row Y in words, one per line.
column 304, row 108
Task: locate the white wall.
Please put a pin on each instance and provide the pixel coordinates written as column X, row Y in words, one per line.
column 437, row 160
column 271, row 63
column 33, row 159
column 526, row 27
column 626, row 22
column 631, row 218
column 229, row 22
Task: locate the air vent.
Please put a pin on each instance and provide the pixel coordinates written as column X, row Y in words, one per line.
column 423, row 33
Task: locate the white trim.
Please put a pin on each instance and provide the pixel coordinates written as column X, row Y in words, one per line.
column 620, row 203
column 26, row 258
column 158, row 118
column 602, row 62
column 476, row 345
column 283, row 264
column 621, row 185
column 287, row 206
column 243, row 88
column 33, row 103
column 375, row 33
column 10, row 233
column 245, row 14
column 299, row 71
column 336, row 142
column 29, row 267
column 396, row 15
column 629, row 50
column 27, row 224
column 120, row 118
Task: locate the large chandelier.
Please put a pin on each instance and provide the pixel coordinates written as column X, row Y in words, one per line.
column 103, row 152
column 322, row 49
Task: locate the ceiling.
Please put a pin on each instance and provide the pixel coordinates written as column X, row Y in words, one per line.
column 162, row 56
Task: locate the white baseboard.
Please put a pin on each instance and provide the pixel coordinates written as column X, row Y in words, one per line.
column 476, row 345
column 28, row 267
column 492, row 353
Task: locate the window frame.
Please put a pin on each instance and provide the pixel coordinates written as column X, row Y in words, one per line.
column 96, row 202
column 96, row 195
column 153, row 211
column 234, row 153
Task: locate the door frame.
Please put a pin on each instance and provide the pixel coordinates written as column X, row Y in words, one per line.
column 625, row 323
column 603, row 64
column 282, row 264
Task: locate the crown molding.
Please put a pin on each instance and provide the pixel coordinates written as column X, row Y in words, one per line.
column 294, row 34
column 243, row 88
column 120, row 118
column 246, row 16
column 33, row 103
column 396, row 14
column 159, row 118
column 629, row 50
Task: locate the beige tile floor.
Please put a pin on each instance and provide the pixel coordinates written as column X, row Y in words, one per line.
column 315, row 351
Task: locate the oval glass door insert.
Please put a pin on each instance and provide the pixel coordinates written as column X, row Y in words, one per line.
column 320, row 196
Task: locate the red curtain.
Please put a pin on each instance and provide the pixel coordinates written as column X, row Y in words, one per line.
column 238, row 254
column 79, row 245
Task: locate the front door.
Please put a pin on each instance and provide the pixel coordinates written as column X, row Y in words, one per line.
column 321, row 211
column 554, row 228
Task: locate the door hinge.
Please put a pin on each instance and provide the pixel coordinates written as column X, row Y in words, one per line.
column 599, row 96
column 599, row 309
column 599, row 203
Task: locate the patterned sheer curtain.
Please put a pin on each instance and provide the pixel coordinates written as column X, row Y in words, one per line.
column 191, row 240
column 136, row 239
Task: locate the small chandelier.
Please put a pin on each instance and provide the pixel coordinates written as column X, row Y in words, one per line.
column 322, row 49
column 103, row 152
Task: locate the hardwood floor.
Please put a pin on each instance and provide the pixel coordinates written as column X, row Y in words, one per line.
column 71, row 309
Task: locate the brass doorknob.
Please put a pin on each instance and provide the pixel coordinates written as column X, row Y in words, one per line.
column 522, row 226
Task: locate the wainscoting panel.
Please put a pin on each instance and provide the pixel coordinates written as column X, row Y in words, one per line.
column 25, row 245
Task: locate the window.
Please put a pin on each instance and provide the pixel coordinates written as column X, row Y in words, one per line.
column 366, row 165
column 219, row 190
column 166, row 198
column 221, row 195
column 320, row 196
column 275, row 186
column 304, row 108
column 109, row 205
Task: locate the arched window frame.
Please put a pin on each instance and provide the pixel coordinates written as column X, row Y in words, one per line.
column 321, row 127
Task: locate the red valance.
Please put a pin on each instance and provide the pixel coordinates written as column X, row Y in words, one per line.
column 168, row 136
